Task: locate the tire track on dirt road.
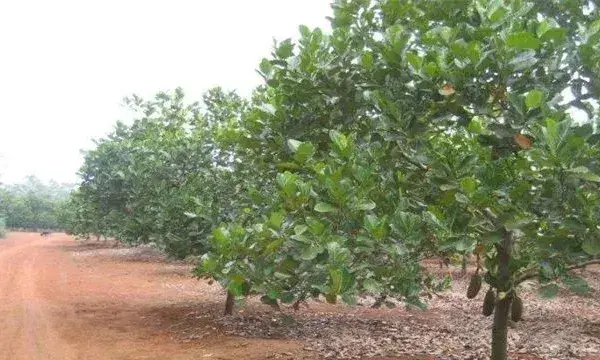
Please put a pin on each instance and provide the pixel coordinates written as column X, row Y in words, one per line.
column 27, row 332
column 62, row 301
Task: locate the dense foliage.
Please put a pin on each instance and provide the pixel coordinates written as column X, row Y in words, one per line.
column 413, row 128
column 33, row 204
column 2, row 227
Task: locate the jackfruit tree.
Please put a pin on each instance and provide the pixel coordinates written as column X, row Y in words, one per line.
column 411, row 129
column 422, row 126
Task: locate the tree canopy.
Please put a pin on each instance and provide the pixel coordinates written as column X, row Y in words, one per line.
column 412, row 128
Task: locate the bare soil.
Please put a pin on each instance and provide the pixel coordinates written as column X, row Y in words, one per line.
column 62, row 299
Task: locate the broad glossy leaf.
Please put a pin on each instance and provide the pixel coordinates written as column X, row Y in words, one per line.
column 366, row 205
column 325, row 207
column 339, row 139
column 523, row 40
column 304, row 152
column 464, row 244
column 584, row 173
column 294, row 144
column 534, row 99
column 591, row 245
column 414, row 60
column 285, row 49
column 300, row 229
column 310, row 253
column 524, row 60
column 276, row 220
column 469, row 185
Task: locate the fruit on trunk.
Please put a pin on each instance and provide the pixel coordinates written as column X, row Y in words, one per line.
column 516, row 309
column 474, row 286
column 331, row 298
column 489, row 302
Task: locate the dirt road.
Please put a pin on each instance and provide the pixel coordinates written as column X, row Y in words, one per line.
column 63, row 300
column 67, row 300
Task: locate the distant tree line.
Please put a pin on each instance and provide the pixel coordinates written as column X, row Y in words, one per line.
column 32, row 204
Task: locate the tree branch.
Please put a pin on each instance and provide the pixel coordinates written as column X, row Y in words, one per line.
column 532, row 275
column 415, row 163
column 492, row 217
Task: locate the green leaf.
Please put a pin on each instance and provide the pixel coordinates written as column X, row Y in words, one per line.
column 349, row 299
column 414, row 60
column 577, row 285
column 366, row 205
column 304, row 31
column 287, row 297
column 367, row 60
column 475, row 125
column 555, row 34
column 584, row 173
column 221, row 235
column 372, row 286
column 591, row 245
column 448, row 187
column 285, row 49
column 272, row 294
column 267, row 108
column 549, row 291
column 524, row 60
column 339, row 139
column 492, row 238
column 469, row 185
column 316, row 227
column 371, row 222
column 336, row 280
column 190, row 214
column 276, row 220
column 523, row 40
column 325, row 207
column 515, row 224
column 310, row 253
column 304, row 152
column 294, row 144
column 300, row 229
column 534, row 99
column 464, row 244
column 461, row 198
column 431, row 69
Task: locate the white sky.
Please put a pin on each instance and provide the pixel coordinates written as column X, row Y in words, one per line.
column 66, row 65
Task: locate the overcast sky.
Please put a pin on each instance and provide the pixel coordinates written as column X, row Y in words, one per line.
column 66, row 65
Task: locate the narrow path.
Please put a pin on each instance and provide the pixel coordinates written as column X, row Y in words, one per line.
column 27, row 331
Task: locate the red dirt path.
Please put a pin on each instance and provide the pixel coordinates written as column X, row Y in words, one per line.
column 61, row 299
column 56, row 303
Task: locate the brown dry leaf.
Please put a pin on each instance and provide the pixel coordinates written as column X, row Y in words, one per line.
column 447, row 90
column 522, row 141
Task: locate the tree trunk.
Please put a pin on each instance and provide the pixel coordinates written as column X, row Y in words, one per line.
column 464, row 264
column 501, row 313
column 500, row 329
column 229, row 303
